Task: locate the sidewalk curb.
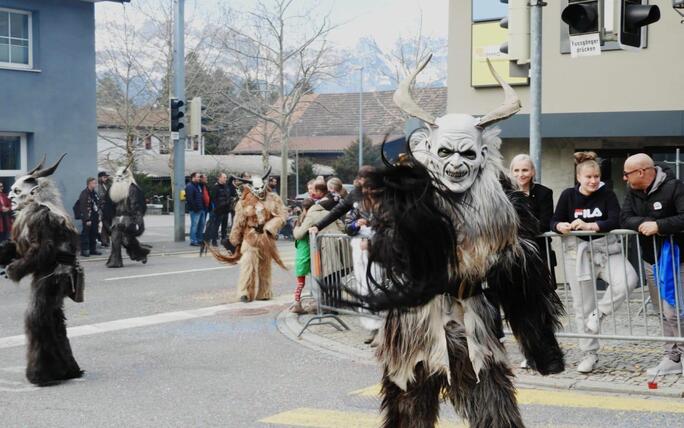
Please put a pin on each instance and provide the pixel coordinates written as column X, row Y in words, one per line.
column 288, row 324
column 161, row 253
column 593, row 386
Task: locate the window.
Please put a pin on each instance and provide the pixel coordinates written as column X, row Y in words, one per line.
column 12, row 157
column 487, row 10
column 15, row 39
column 148, row 142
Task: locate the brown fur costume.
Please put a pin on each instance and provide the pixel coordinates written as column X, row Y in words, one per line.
column 255, row 227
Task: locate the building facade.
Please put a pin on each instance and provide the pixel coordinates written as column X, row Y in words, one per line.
column 325, row 125
column 47, row 90
column 618, row 103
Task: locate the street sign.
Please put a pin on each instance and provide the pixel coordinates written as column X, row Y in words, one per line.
column 585, row 45
column 175, row 135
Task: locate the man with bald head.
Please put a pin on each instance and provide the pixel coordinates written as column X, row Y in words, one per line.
column 654, row 206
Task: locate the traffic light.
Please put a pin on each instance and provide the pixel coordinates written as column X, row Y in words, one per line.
column 517, row 22
column 175, row 114
column 196, row 117
column 583, row 16
column 635, row 15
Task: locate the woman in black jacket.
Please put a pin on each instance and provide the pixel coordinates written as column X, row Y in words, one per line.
column 541, row 201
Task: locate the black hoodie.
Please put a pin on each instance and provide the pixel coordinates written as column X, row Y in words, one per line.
column 601, row 207
column 663, row 202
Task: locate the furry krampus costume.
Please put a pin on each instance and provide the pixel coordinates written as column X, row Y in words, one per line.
column 456, row 244
column 259, row 215
column 44, row 243
column 128, row 224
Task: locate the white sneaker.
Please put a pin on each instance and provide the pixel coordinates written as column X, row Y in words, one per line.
column 587, row 364
column 665, row 367
column 593, row 324
column 524, row 365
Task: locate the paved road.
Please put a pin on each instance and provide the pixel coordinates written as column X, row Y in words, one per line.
column 165, row 345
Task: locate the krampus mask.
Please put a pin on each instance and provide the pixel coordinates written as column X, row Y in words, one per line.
column 35, row 186
column 123, row 178
column 453, row 147
column 256, row 184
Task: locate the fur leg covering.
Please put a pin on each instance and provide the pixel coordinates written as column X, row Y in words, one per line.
column 418, row 406
column 249, row 272
column 532, row 307
column 136, row 251
column 264, row 292
column 488, row 403
column 115, row 260
column 49, row 355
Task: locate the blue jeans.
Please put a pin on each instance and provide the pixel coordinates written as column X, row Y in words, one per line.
column 197, row 226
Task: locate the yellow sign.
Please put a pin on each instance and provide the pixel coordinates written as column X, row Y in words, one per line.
column 486, row 39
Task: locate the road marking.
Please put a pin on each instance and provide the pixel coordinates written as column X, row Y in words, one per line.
column 574, row 399
column 163, row 318
column 308, row 417
column 150, row 275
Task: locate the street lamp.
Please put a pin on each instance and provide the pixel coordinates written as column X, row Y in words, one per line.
column 360, row 117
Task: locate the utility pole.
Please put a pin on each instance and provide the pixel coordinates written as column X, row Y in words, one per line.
column 297, row 173
column 535, row 84
column 179, row 144
column 361, row 118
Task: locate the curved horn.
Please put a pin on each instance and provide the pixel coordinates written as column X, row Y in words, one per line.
column 244, row 180
column 39, row 166
column 267, row 173
column 510, row 106
column 402, row 96
column 48, row 171
column 382, row 152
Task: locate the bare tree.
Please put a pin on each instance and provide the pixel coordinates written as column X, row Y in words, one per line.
column 408, row 50
column 279, row 54
column 126, row 83
column 135, row 71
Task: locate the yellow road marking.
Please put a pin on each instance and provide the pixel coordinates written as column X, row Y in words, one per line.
column 608, row 402
column 308, row 417
column 576, row 399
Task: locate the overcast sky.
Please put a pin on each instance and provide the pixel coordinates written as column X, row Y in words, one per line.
column 385, row 20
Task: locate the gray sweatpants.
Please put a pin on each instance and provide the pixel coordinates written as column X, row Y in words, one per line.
column 615, row 270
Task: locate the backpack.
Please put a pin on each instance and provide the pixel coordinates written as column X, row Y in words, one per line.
column 77, row 209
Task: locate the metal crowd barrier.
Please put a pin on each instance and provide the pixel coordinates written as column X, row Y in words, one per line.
column 629, row 320
column 327, row 298
column 332, row 271
column 332, row 266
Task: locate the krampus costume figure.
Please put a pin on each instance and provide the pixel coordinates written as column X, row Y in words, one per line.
column 44, row 243
column 456, row 245
column 128, row 224
column 259, row 215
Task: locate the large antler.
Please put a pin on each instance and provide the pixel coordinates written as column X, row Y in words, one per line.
column 510, row 106
column 130, row 162
column 48, row 171
column 402, row 96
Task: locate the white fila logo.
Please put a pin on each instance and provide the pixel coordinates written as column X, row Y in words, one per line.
column 587, row 213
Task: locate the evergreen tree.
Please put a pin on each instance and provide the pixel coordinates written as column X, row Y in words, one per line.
column 347, row 165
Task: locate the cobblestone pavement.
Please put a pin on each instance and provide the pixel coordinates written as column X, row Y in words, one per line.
column 622, row 364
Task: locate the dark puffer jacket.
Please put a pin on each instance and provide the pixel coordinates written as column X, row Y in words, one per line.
column 663, row 203
column 222, row 197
